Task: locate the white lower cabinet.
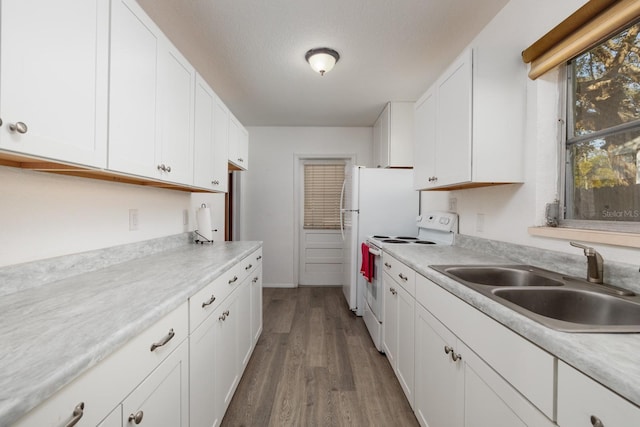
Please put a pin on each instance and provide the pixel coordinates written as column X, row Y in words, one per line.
column 390, row 324
column 163, row 398
column 584, row 402
column 256, row 304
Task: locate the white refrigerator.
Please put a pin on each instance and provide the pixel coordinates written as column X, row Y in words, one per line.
column 374, row 201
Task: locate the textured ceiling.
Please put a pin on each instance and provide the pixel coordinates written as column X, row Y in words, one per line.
column 252, row 52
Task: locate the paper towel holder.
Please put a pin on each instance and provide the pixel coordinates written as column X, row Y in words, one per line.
column 203, row 239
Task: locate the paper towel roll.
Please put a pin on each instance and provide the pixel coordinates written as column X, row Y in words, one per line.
column 203, row 216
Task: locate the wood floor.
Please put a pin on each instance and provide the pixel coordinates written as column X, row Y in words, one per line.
column 315, row 365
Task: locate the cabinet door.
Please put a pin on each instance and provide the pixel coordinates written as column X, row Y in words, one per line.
column 390, row 323
column 133, row 104
column 582, row 402
column 226, row 358
column 453, row 115
column 438, row 380
column 424, row 168
column 203, row 141
column 220, row 145
column 202, row 372
column 384, row 123
column 238, row 143
column 54, row 78
column 256, row 304
column 377, row 141
column 406, row 342
column 400, row 150
column 162, row 398
column 176, row 80
column 244, row 336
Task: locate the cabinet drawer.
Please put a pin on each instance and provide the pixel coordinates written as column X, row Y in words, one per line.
column 402, row 274
column 102, row 388
column 580, row 398
column 206, row 300
column 504, row 350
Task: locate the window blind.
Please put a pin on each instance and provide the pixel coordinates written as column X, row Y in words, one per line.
column 593, row 22
column 322, row 188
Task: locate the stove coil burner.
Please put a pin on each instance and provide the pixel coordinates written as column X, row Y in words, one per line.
column 424, row 242
column 406, row 238
column 394, row 241
column 380, row 237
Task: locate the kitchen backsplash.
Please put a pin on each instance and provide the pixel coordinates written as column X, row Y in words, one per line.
column 18, row 277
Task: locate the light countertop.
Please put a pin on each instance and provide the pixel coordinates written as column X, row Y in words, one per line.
column 53, row 333
column 611, row 359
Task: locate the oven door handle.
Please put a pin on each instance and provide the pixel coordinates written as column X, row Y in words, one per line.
column 375, row 252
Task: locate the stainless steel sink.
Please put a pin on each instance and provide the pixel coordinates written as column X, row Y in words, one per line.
column 557, row 301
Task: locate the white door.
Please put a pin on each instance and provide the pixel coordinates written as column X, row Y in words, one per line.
column 321, row 256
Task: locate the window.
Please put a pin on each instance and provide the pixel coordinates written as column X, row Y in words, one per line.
column 602, row 167
column 322, row 191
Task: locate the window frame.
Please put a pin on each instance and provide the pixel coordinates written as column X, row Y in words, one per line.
column 566, row 96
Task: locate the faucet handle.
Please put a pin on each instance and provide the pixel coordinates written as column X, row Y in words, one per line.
column 588, row 250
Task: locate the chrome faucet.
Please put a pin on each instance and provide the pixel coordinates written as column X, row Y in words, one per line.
column 595, row 263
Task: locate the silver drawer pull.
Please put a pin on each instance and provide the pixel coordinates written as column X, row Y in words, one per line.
column 403, row 277
column 215, row 182
column 137, row 417
column 255, row 279
column 386, row 264
column 168, row 168
column 224, row 316
column 393, row 291
column 248, row 267
column 455, row 356
column 209, row 302
column 77, row 414
column 18, row 127
column 447, row 349
column 596, row 422
column 235, row 279
column 163, row 341
column 257, row 259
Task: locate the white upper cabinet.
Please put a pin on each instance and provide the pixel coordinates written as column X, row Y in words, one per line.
column 176, row 80
column 393, row 136
column 238, row 144
column 151, row 99
column 205, row 104
column 54, row 79
column 469, row 124
column 220, row 146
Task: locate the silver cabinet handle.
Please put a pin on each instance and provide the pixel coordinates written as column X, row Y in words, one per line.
column 456, row 356
column 137, row 417
column 162, row 167
column 447, row 349
column 235, row 279
column 255, row 279
column 168, row 168
column 386, row 264
column 77, row 414
column 403, row 277
column 393, row 291
column 259, row 257
column 215, row 182
column 433, row 179
column 18, row 127
column 241, row 160
column 163, row 341
column 248, row 267
column 596, row 422
column 0, row 122
column 209, row 302
column 224, row 316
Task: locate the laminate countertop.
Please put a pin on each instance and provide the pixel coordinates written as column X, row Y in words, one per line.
column 53, row 333
column 610, row 359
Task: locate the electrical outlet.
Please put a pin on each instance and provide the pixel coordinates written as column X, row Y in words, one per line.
column 133, row 219
column 453, row 204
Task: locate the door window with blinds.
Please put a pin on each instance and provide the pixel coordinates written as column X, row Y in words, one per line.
column 603, row 132
column 322, row 190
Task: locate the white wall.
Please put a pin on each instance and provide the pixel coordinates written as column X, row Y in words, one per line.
column 269, row 186
column 45, row 215
column 510, row 209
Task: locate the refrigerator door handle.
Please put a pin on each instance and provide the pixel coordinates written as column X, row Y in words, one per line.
column 341, row 209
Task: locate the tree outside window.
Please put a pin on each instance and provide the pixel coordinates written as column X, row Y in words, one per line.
column 603, row 141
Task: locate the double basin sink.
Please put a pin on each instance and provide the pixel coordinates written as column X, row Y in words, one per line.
column 555, row 300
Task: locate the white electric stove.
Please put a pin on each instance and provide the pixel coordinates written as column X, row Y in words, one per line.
column 434, row 229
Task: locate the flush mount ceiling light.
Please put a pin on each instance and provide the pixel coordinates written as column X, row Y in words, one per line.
column 322, row 59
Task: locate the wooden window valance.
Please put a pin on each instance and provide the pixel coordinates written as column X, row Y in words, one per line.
column 590, row 24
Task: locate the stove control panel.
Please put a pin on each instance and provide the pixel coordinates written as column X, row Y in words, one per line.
column 438, row 220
